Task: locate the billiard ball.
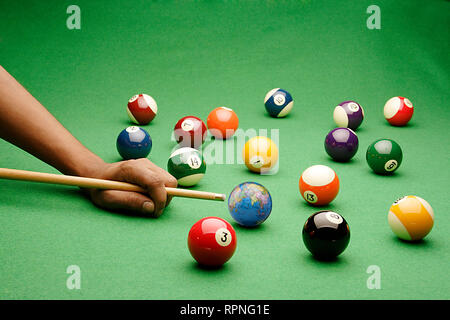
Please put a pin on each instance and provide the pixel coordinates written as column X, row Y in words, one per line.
column 222, row 122
column 190, row 131
column 384, row 156
column 341, row 144
column 348, row 114
column 142, row 109
column 212, row 241
column 398, row 111
column 326, row 234
column 319, row 185
column 278, row 102
column 187, row 166
column 260, row 154
column 411, row 218
column 250, row 204
column 133, row 143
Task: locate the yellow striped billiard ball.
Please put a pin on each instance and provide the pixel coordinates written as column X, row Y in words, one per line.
column 411, row 218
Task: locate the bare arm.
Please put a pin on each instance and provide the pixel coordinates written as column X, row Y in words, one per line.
column 28, row 125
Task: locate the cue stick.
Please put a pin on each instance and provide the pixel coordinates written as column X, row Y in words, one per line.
column 13, row 174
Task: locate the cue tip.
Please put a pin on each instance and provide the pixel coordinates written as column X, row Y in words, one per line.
column 221, row 197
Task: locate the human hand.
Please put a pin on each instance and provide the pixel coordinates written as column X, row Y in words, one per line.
column 141, row 172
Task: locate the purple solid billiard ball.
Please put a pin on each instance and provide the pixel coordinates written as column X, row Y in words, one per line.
column 348, row 114
column 341, row 144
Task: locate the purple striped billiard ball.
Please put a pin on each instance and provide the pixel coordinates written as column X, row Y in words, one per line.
column 348, row 114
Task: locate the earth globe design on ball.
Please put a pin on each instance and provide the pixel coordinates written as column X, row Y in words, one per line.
column 250, row 204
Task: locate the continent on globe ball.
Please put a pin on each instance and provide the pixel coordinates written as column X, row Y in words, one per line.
column 250, row 204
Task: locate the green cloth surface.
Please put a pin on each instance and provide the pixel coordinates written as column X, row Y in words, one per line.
column 193, row 56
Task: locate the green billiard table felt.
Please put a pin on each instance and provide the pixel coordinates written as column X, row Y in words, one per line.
column 193, row 57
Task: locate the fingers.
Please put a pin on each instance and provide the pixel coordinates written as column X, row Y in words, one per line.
column 151, row 177
column 124, row 200
column 170, row 182
column 158, row 193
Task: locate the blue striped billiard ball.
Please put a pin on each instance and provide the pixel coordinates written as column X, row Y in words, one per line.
column 278, row 102
column 133, row 143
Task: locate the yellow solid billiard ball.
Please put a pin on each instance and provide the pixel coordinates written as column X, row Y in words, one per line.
column 411, row 218
column 260, row 154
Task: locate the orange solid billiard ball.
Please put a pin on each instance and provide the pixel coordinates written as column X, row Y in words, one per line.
column 222, row 122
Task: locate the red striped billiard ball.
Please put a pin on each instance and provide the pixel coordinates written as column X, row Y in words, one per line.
column 190, row 132
column 212, row 241
column 142, row 109
column 398, row 111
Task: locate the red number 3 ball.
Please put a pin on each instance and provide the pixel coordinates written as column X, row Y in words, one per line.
column 212, row 241
column 398, row 111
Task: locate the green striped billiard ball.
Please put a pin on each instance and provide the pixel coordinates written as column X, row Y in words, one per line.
column 384, row 156
column 187, row 166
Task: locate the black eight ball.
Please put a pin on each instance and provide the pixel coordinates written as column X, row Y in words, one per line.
column 326, row 234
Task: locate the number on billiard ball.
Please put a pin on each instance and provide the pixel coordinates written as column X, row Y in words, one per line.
column 384, row 156
column 187, row 166
column 278, row 103
column 190, row 132
column 398, row 111
column 326, row 234
column 212, row 241
column 133, row 143
column 319, row 185
column 142, row 109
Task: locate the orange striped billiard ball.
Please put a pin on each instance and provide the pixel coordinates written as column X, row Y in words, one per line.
column 319, row 185
column 411, row 218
